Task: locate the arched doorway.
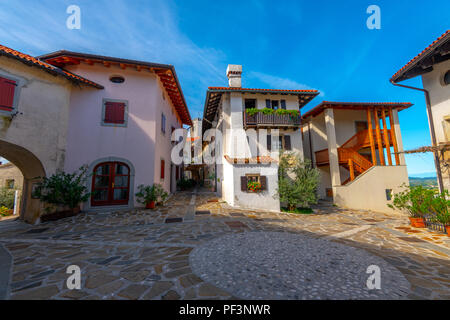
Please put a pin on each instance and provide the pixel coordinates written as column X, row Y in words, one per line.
column 32, row 170
column 110, row 184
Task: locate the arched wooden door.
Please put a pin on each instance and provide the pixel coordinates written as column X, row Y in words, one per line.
column 110, row 184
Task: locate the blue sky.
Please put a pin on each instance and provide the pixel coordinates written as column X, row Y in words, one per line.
column 323, row 45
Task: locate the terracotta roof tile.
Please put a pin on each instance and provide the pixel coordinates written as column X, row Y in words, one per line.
column 420, row 55
column 255, row 89
column 352, row 105
column 25, row 58
column 253, row 160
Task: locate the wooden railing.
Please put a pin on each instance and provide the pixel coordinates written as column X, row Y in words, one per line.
column 362, row 139
column 261, row 119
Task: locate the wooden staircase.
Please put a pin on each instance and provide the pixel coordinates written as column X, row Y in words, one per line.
column 349, row 156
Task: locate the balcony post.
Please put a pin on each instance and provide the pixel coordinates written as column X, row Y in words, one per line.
column 398, row 137
column 372, row 142
column 332, row 148
column 378, row 132
column 387, row 142
column 394, row 138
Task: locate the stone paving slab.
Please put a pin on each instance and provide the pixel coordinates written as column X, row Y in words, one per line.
column 136, row 255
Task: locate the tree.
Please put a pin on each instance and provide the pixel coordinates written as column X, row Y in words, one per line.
column 297, row 181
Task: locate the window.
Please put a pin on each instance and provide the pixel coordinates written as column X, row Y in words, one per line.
column 253, row 177
column 10, row 183
column 283, row 104
column 117, row 79
column 447, row 78
column 163, row 167
column 283, row 143
column 388, row 194
column 163, row 123
column 250, row 103
column 7, row 90
column 115, row 113
column 275, row 104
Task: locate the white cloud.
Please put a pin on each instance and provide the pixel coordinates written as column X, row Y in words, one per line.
column 275, row 82
column 116, row 28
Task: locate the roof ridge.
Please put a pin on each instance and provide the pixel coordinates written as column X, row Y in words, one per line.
column 29, row 59
column 421, row 53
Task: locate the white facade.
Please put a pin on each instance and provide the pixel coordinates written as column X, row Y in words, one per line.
column 371, row 190
column 247, row 143
column 433, row 82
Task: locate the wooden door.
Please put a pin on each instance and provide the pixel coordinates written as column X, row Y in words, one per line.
column 110, row 184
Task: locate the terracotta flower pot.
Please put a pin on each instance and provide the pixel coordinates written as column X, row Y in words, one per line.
column 150, row 205
column 417, row 222
column 448, row 230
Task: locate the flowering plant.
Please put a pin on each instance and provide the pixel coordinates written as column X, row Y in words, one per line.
column 254, row 186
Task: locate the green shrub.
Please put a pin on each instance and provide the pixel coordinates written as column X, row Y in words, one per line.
column 297, row 182
column 7, row 197
column 64, row 189
column 419, row 202
column 147, row 194
column 5, row 211
column 267, row 111
column 251, row 111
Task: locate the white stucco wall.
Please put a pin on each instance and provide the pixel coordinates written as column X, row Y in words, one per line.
column 368, row 191
column 141, row 142
column 440, row 106
column 264, row 200
column 35, row 139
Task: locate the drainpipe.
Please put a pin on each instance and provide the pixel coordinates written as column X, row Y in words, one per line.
column 433, row 134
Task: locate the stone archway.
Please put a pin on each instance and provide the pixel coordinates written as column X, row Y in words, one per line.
column 32, row 169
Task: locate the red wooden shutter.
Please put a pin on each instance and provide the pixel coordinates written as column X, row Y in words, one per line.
column 114, row 112
column 244, row 183
column 162, row 169
column 7, row 88
column 263, row 181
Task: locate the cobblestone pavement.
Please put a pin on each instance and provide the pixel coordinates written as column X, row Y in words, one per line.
column 145, row 254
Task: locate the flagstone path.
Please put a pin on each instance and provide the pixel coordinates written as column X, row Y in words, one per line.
column 149, row 254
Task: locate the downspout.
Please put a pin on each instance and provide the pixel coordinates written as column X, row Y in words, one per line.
column 433, row 134
column 310, row 144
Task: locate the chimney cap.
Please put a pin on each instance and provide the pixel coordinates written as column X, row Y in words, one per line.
column 234, row 69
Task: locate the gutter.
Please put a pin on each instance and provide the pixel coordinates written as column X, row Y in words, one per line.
column 437, row 162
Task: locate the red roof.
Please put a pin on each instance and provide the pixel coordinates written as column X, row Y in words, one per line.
column 166, row 73
column 30, row 60
column 253, row 89
column 353, row 106
column 421, row 55
column 253, row 160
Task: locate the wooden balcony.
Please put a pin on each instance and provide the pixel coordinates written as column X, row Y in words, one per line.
column 271, row 120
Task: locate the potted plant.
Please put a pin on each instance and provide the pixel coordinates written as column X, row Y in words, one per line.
column 440, row 205
column 161, row 194
column 416, row 201
column 147, row 195
column 63, row 193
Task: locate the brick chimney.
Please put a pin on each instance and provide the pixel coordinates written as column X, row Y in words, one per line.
column 234, row 72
